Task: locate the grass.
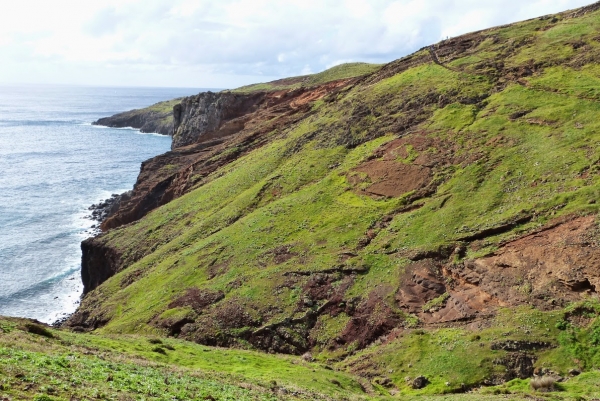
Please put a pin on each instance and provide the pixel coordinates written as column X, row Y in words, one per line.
column 79, row 366
column 61, row 365
column 457, row 358
column 342, row 71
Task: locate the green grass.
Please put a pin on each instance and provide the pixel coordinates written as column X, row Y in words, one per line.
column 453, row 358
column 342, row 71
column 129, row 367
column 65, row 365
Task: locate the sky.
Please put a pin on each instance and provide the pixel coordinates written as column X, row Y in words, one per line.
column 228, row 43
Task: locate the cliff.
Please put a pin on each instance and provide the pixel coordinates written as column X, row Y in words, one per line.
column 436, row 216
column 157, row 118
column 212, row 115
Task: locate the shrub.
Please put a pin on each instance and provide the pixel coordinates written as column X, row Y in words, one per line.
column 159, row 350
column 562, row 325
column 38, row 329
column 544, row 383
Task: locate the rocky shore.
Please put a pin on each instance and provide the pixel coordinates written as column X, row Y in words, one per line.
column 105, row 208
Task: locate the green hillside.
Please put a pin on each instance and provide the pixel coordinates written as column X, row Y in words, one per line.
column 472, row 164
column 342, row 71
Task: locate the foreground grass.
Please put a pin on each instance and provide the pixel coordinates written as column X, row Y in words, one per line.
column 56, row 365
column 44, row 364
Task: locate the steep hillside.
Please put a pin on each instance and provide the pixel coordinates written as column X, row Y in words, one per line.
column 436, row 217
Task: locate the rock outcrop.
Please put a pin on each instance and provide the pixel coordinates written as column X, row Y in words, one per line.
column 157, row 118
column 98, row 263
column 211, row 115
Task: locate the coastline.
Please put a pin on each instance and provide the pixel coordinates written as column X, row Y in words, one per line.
column 56, row 164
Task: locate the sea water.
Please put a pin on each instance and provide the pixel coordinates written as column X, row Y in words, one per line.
column 53, row 165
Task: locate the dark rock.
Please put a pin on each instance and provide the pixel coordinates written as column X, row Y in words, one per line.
column 98, row 263
column 419, row 382
column 208, row 112
column 156, row 119
column 517, row 345
column 518, row 365
column 106, row 208
column 384, row 381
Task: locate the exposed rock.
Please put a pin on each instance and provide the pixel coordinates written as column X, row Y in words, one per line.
column 211, row 130
column 106, row 208
column 384, row 381
column 515, row 345
column 212, row 115
column 532, row 269
column 98, row 263
column 419, row 382
column 157, row 118
column 197, row 299
column 518, row 365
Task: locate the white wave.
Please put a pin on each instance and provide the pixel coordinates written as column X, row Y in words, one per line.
column 135, row 130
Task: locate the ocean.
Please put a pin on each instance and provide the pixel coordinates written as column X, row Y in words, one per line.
column 53, row 165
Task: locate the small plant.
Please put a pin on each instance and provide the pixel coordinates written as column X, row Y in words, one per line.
column 544, row 383
column 159, row 350
column 562, row 325
column 38, row 329
column 43, row 397
column 436, row 303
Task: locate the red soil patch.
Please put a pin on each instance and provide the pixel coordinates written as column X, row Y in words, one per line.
column 403, row 165
column 372, row 319
column 547, row 269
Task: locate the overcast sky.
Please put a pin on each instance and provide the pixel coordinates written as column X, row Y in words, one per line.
column 228, row 43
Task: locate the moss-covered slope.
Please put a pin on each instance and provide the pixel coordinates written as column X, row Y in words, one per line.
column 342, row 71
column 392, row 219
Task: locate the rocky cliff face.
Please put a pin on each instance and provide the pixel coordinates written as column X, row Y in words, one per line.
column 209, row 115
column 157, row 118
column 98, row 263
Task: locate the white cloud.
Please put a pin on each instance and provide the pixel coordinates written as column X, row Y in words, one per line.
column 227, row 43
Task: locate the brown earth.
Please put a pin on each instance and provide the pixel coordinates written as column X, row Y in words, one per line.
column 197, row 299
column 404, row 165
column 548, row 269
